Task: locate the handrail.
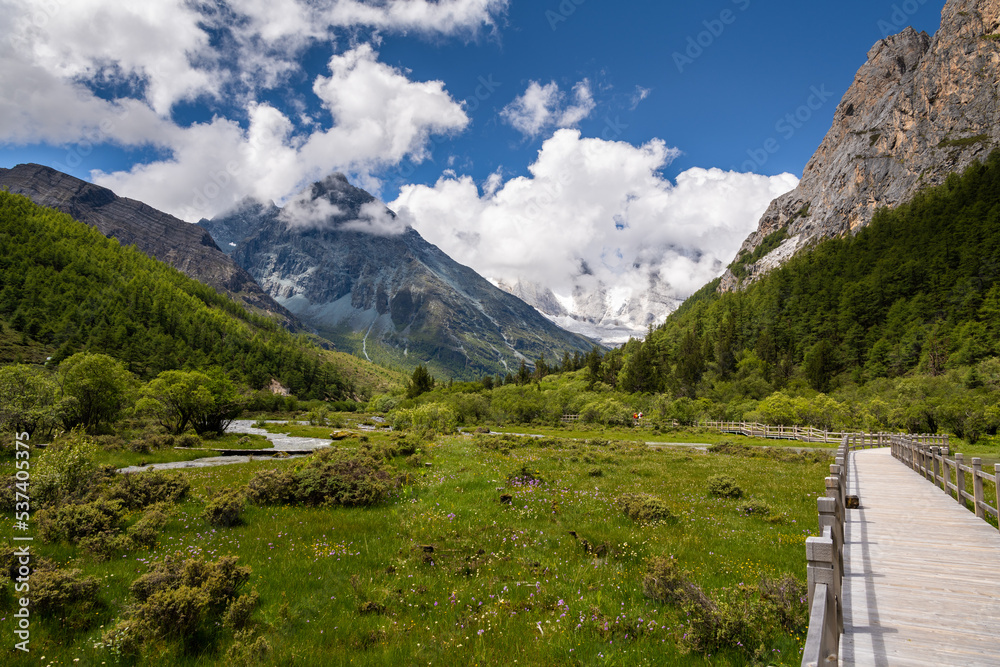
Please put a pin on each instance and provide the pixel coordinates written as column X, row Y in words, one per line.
column 933, row 464
column 825, row 556
column 860, row 439
column 825, row 570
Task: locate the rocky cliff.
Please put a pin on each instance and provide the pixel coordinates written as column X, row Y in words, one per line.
column 344, row 264
column 183, row 246
column 919, row 109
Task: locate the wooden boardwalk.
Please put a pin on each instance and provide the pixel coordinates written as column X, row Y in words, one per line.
column 921, row 573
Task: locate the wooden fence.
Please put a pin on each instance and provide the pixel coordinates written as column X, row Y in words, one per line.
column 950, row 474
column 825, row 554
column 825, row 570
column 858, row 440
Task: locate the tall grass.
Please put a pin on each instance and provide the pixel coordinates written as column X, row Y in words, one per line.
column 446, row 573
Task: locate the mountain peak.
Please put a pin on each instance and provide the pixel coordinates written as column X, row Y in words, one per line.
column 919, row 109
column 343, row 263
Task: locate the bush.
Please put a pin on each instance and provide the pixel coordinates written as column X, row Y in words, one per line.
column 431, row 416
column 73, row 522
column 790, row 600
column 238, row 613
column 226, row 509
column 644, row 508
column 754, row 508
column 269, row 487
column 342, row 478
column 730, row 448
column 144, row 532
column 246, row 653
column 608, row 411
column 141, row 535
column 57, row 592
column 664, row 582
column 65, row 470
column 724, row 486
column 173, row 613
column 332, row 477
column 139, row 490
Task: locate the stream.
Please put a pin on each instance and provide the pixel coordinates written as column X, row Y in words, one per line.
column 280, row 442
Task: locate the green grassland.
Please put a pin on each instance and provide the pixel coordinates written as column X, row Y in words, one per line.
column 445, row 573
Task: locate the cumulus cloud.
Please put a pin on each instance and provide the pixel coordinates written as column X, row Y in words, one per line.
column 91, row 72
column 595, row 217
column 378, row 116
column 542, row 108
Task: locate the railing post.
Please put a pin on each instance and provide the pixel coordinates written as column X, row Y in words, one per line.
column 834, row 490
column 831, row 515
column 960, row 477
column 996, row 482
column 936, row 465
column 977, row 486
column 821, row 575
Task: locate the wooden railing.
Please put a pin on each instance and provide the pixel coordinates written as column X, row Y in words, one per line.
column 933, row 463
column 859, row 440
column 825, row 570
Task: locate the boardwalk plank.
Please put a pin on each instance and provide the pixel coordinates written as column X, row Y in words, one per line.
column 922, row 574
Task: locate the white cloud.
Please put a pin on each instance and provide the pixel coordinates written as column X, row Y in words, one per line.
column 638, row 96
column 543, row 108
column 379, row 117
column 153, row 45
column 533, row 111
column 56, row 54
column 583, row 104
column 376, row 219
column 595, row 217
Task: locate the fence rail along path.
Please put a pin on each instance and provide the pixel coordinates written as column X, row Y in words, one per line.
column 911, row 576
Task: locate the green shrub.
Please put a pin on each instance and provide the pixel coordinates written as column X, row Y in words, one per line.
column 56, row 592
column 754, row 508
column 188, row 601
column 238, row 613
column 143, row 534
column 430, row 416
column 73, row 522
column 173, row 613
column 269, row 487
column 664, row 582
column 122, row 641
column 790, row 599
column 247, row 652
column 139, row 490
column 226, row 509
column 65, row 470
column 343, row 478
column 332, row 477
column 724, row 486
column 644, row 508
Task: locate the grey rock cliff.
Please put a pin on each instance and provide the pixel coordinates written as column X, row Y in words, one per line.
column 919, row 109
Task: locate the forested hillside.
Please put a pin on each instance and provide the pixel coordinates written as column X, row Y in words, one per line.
column 66, row 288
column 917, row 291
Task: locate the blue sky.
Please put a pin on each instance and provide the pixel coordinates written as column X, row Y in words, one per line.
column 480, row 121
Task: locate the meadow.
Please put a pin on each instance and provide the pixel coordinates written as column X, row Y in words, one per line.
column 489, row 550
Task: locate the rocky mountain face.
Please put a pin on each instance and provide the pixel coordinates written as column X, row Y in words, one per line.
column 342, row 262
column 183, row 246
column 919, row 109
